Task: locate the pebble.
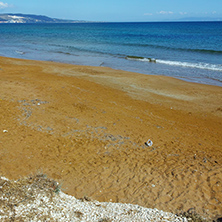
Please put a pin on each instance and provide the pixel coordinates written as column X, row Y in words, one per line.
column 65, row 208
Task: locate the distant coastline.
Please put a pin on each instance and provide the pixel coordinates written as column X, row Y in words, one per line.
column 28, row 18
column 32, row 18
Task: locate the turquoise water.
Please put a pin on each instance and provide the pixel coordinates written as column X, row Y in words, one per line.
column 188, row 50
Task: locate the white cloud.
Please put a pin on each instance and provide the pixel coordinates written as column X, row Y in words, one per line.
column 165, row 12
column 4, row 5
column 148, row 13
column 214, row 12
column 183, row 13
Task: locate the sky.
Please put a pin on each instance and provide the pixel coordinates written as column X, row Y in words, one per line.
column 118, row 10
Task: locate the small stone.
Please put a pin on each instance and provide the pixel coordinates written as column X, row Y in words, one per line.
column 149, row 143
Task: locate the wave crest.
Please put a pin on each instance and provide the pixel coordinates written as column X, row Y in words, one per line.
column 213, row 67
column 208, row 66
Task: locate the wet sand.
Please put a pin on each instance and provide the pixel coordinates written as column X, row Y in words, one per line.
column 86, row 127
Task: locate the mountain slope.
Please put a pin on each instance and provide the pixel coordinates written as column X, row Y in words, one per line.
column 25, row 18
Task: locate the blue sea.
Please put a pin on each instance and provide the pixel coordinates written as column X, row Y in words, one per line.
column 191, row 51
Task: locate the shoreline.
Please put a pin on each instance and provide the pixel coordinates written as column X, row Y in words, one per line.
column 192, row 79
column 130, row 47
column 86, row 127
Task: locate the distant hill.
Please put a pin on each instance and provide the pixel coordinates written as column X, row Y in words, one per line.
column 24, row 18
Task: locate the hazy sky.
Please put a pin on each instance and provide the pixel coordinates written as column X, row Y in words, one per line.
column 116, row 10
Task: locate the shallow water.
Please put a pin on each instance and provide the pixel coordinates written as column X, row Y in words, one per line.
column 186, row 50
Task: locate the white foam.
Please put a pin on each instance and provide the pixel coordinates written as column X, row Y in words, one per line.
column 192, row 65
column 212, row 67
column 20, row 52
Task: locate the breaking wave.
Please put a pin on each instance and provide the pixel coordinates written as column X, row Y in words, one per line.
column 213, row 67
column 20, row 52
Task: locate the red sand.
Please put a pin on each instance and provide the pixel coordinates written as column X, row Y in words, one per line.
column 86, row 128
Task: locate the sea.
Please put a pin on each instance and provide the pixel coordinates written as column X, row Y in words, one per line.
column 191, row 51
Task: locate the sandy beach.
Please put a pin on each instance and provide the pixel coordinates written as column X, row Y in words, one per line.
column 86, row 128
